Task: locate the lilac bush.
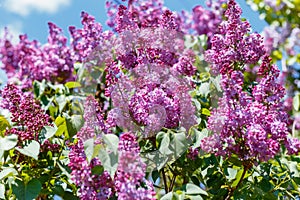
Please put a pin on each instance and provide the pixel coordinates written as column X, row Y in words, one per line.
column 132, row 112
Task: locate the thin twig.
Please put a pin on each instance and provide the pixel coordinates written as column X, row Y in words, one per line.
column 165, row 180
column 172, row 182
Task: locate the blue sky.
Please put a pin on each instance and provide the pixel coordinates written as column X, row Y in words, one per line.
column 31, row 16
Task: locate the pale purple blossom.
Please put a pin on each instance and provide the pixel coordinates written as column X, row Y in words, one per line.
column 129, row 179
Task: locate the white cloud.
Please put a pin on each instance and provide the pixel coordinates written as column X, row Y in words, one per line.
column 25, row 7
column 14, row 30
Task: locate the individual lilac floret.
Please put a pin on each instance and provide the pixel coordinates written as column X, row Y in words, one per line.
column 129, row 179
column 91, row 186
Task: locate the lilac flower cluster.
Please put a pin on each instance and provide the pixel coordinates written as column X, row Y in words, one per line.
column 28, row 60
column 153, row 99
column 94, row 122
column 232, row 44
column 249, row 123
column 138, row 14
column 91, row 186
column 148, row 86
column 129, row 179
column 27, row 116
column 143, row 40
column 207, row 21
column 91, row 43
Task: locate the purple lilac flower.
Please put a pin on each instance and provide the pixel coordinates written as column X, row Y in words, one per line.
column 274, row 36
column 93, row 120
column 154, row 91
column 249, row 123
column 192, row 153
column 27, row 117
column 292, row 145
column 129, row 179
column 26, row 113
column 91, row 43
column 157, row 40
column 206, row 21
column 29, row 61
column 233, row 44
column 91, row 186
column 136, row 14
column 158, row 95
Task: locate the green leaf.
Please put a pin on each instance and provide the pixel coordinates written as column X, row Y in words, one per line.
column 58, row 190
column 265, row 185
column 8, row 142
column 112, row 142
column 168, row 196
column 39, row 88
column 109, row 161
column 217, row 82
column 61, row 130
column 7, row 172
column 192, row 189
column 108, row 155
column 62, row 127
column 277, row 54
column 69, row 196
column 89, row 148
column 63, row 170
column 204, row 89
column 238, row 177
column 3, row 123
column 72, row 84
column 180, row 144
column 197, row 104
column 97, row 170
column 2, row 191
column 195, row 197
column 27, row 191
column 47, row 132
column 31, row 150
column 155, row 175
column 198, row 135
column 231, row 173
column 59, row 121
column 205, row 111
column 296, row 102
column 71, row 129
column 164, row 145
column 77, row 121
column 61, row 100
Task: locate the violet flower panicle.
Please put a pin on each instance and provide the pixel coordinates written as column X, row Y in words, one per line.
column 129, row 179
